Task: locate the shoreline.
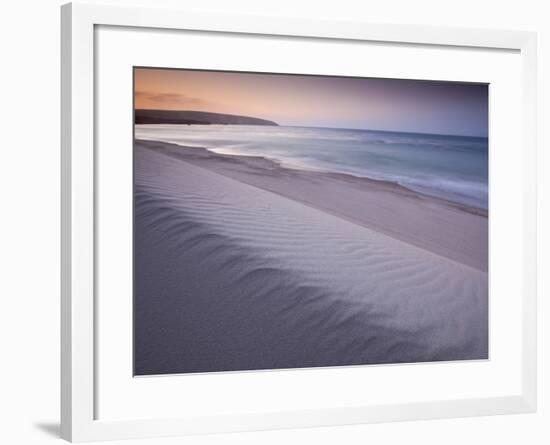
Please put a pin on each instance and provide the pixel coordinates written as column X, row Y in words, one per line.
column 452, row 230
column 287, row 165
column 242, row 278
column 277, row 164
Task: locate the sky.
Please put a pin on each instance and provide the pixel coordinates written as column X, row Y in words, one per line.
column 321, row 101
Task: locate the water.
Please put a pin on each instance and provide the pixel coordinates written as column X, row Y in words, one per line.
column 450, row 167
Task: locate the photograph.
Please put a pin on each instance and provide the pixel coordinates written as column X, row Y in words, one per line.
column 285, row 221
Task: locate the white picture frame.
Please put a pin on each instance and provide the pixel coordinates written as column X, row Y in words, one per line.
column 79, row 420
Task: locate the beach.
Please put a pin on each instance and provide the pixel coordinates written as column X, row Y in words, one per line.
column 242, row 263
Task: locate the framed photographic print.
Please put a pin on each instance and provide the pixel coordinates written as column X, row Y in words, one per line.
column 274, row 223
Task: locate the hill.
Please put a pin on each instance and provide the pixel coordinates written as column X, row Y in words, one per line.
column 189, row 117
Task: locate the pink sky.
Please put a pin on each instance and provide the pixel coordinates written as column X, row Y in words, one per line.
column 324, row 101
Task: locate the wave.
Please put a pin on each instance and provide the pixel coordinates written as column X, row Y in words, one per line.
column 450, row 167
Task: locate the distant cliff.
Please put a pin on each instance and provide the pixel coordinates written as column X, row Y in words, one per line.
column 195, row 118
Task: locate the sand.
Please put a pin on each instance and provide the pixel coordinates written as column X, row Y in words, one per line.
column 452, row 230
column 241, row 264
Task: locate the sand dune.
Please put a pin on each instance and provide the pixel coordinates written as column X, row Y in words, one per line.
column 231, row 277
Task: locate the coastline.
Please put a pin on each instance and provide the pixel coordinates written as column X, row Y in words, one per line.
column 454, row 231
column 230, row 276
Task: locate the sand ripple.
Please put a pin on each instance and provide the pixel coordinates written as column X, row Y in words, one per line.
column 232, row 277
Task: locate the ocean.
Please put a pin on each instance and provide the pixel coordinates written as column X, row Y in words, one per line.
column 450, row 167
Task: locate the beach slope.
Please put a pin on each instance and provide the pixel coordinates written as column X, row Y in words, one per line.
column 232, row 276
column 452, row 230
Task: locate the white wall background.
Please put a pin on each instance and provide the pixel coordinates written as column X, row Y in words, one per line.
column 29, row 219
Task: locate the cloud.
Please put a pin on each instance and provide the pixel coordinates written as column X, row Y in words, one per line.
column 170, row 98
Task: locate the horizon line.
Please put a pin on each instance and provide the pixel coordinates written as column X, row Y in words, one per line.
column 308, row 126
